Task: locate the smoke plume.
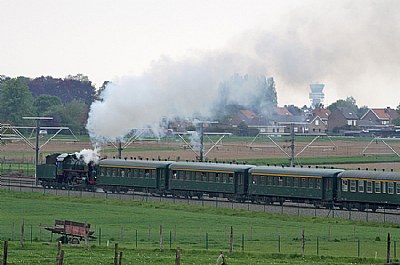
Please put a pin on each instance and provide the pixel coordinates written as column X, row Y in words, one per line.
column 351, row 46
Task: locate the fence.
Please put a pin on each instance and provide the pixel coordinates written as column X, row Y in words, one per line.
column 294, row 209
column 26, row 168
column 172, row 237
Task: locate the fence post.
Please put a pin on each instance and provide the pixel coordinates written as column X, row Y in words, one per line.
column 177, row 257
column 160, row 238
column 22, row 231
column 303, row 242
column 395, row 249
column 388, row 249
column 317, row 246
column 231, row 242
column 136, row 238
column 170, row 239
column 242, row 242
column 116, row 254
column 359, row 247
column 5, row 252
column 279, row 244
column 207, row 240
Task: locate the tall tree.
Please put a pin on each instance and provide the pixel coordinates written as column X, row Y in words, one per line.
column 66, row 89
column 44, row 102
column 16, row 100
column 73, row 115
column 349, row 102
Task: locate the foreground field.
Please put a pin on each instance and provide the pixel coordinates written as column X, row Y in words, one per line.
column 200, row 232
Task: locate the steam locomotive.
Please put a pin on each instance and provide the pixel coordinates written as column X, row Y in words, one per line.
column 360, row 189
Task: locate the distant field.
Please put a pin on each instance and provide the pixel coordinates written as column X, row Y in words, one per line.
column 329, row 151
column 200, row 232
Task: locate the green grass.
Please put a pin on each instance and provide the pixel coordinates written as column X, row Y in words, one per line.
column 119, row 221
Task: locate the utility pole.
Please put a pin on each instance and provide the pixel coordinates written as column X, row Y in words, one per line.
column 201, row 141
column 37, row 119
column 292, row 144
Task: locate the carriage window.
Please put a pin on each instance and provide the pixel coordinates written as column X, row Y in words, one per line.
column 304, row 182
column 217, row 177
column 377, row 187
column 390, row 187
column 369, row 186
column 254, row 179
column 262, row 180
column 344, row 185
column 397, row 187
column 230, row 179
column 311, row 183
column 295, row 182
column 353, row 187
column 122, row 173
column 361, row 186
column 318, row 183
column 280, row 181
column 383, row 187
column 147, row 173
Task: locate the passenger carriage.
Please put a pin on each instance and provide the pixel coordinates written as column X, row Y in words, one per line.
column 278, row 184
column 369, row 189
column 214, row 179
column 140, row 175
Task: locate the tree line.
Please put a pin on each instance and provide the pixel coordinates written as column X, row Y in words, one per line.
column 67, row 100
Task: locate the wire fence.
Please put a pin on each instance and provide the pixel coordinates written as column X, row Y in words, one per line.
column 232, row 241
column 17, row 168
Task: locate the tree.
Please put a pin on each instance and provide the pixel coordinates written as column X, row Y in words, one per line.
column 44, row 102
column 16, row 100
column 66, row 89
column 396, row 122
column 73, row 115
column 349, row 102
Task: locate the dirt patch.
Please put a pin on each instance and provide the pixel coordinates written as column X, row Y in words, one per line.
column 176, row 150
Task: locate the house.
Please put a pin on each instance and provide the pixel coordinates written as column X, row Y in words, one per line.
column 317, row 126
column 378, row 118
column 322, row 113
column 244, row 115
column 342, row 118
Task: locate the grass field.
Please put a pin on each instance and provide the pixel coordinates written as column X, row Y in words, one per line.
column 200, row 232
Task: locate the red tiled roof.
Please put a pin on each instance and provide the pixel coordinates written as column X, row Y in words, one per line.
column 248, row 114
column 282, row 111
column 382, row 114
column 322, row 113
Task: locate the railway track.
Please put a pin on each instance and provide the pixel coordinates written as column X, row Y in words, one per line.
column 27, row 184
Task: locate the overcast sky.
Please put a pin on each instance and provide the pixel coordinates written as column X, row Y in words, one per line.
column 350, row 46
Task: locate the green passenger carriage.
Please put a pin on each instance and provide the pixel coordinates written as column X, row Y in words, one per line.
column 364, row 189
column 214, row 179
column 277, row 184
column 140, row 175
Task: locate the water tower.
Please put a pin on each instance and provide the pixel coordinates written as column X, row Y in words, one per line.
column 316, row 95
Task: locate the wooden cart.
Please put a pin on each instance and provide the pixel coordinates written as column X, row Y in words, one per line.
column 72, row 232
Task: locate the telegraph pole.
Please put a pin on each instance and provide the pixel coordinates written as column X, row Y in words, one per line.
column 201, row 141
column 37, row 119
column 292, row 144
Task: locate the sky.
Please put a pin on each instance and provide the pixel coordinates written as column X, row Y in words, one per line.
column 350, row 46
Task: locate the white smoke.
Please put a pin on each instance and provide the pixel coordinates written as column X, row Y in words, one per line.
column 351, row 46
column 89, row 155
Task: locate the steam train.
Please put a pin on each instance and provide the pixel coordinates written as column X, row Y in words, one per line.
column 360, row 189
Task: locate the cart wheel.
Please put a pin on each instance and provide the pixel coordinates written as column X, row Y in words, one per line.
column 75, row 241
